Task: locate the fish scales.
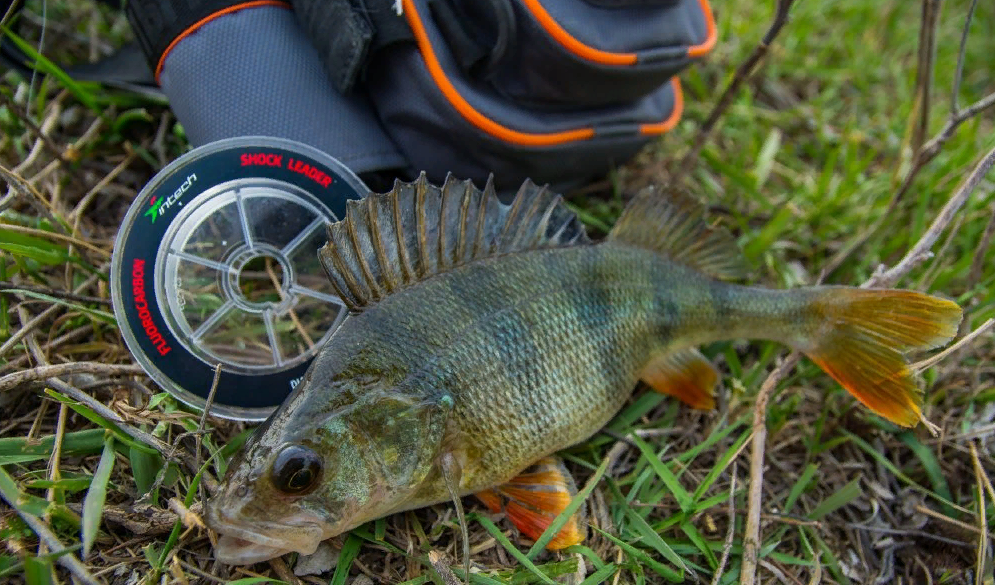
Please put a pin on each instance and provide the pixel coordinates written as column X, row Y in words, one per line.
column 538, row 350
column 550, row 357
column 485, row 338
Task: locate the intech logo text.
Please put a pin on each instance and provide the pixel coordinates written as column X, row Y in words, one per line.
column 159, row 205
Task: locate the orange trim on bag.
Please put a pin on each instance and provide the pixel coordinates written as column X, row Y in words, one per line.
column 673, row 118
column 711, row 35
column 485, row 124
column 466, row 110
column 570, row 43
column 192, row 28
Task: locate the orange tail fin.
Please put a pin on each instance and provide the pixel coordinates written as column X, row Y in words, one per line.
column 863, row 336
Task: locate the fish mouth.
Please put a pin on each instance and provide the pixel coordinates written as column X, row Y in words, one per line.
column 232, row 550
column 241, row 546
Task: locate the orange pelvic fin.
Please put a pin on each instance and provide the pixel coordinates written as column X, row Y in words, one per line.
column 534, row 498
column 865, row 335
column 685, row 374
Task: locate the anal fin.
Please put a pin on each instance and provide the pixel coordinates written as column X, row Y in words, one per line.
column 535, row 497
column 684, row 374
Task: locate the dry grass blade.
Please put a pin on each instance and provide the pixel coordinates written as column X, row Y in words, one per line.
column 105, row 254
column 110, row 415
column 983, row 484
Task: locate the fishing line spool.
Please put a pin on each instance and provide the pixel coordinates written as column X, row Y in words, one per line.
column 216, row 263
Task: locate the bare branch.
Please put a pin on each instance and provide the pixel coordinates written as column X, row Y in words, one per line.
column 923, row 155
column 959, row 75
column 924, row 70
column 742, row 73
column 751, row 537
column 943, row 219
column 44, row 372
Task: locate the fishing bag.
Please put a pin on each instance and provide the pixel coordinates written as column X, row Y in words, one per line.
column 555, row 90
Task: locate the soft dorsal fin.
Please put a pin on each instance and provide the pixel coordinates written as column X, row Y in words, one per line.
column 673, row 224
column 389, row 241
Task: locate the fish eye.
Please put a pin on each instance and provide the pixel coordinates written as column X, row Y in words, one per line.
column 296, row 470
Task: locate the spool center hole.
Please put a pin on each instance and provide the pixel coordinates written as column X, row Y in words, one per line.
column 261, row 280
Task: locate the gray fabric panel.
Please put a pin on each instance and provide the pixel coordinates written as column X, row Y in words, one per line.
column 254, row 73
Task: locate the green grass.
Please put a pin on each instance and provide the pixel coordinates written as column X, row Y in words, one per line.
column 807, row 158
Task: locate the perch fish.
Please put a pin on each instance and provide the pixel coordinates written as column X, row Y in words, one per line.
column 485, row 337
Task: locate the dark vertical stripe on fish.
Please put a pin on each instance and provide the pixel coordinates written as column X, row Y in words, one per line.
column 720, row 294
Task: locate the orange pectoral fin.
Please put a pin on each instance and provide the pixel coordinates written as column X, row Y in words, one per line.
column 684, row 374
column 534, row 498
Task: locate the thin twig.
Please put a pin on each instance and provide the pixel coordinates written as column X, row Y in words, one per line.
column 751, row 538
column 77, row 213
column 924, row 534
column 441, row 567
column 742, row 73
column 948, row 520
column 932, row 360
column 43, row 136
column 59, row 237
column 13, row 287
column 959, row 75
column 44, row 372
column 924, row 71
column 26, row 328
column 203, row 417
column 20, row 361
column 106, row 413
column 18, row 186
column 921, row 250
column 731, row 533
column 51, row 118
column 29, row 326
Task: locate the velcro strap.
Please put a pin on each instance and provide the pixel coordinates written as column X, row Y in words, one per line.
column 347, row 32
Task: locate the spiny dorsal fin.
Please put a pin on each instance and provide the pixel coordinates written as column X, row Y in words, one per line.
column 673, row 224
column 392, row 240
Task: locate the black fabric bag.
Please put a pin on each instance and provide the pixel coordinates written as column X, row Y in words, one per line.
column 555, row 90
